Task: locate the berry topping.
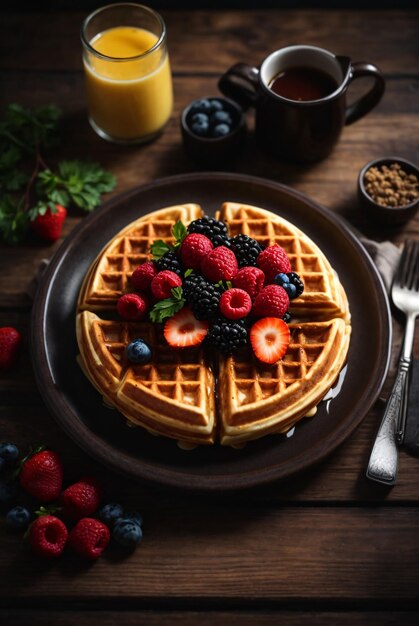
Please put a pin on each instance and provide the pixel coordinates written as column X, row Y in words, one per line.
column 110, row 514
column 250, row 279
column 127, row 533
column 215, row 230
column 132, row 306
column 295, row 280
column 41, row 475
column 270, row 339
column 10, row 340
column 272, row 301
column 143, row 275
column 273, row 260
column 48, row 536
column 163, row 283
column 138, row 351
column 194, row 248
column 82, row 498
column 246, row 249
column 202, row 296
column 89, row 538
column 184, row 330
column 18, row 518
column 235, row 303
column 220, row 264
column 49, row 225
column 170, row 261
column 228, row 335
column 9, row 453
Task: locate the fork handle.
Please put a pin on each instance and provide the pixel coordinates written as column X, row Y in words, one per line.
column 384, row 459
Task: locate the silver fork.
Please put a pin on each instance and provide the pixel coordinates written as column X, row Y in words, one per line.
column 384, row 459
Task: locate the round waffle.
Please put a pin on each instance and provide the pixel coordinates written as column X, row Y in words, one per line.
column 187, row 394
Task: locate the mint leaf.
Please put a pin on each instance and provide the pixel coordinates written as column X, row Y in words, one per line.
column 188, row 272
column 179, row 232
column 158, row 248
column 168, row 307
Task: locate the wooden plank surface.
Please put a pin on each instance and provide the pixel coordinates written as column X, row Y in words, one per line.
column 325, row 547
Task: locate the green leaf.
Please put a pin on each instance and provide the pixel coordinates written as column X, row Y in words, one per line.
column 13, row 221
column 179, row 232
column 168, row 307
column 158, row 248
column 188, row 272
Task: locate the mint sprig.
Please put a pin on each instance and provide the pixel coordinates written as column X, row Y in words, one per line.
column 168, row 307
column 159, row 247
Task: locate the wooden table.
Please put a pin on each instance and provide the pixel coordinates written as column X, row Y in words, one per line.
column 326, row 547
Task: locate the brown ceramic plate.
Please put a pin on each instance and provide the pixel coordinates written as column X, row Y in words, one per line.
column 102, row 433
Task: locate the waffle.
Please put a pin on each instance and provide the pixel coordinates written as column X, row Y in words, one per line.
column 109, row 275
column 323, row 296
column 176, row 394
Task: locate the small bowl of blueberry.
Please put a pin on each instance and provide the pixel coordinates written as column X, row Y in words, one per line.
column 213, row 130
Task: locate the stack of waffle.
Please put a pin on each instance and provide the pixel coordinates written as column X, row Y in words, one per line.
column 198, row 398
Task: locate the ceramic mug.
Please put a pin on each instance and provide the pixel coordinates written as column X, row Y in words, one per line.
column 308, row 129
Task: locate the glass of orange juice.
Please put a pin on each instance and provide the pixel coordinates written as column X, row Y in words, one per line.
column 127, row 71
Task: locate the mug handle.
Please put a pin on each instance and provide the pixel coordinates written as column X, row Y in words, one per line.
column 368, row 101
column 239, row 83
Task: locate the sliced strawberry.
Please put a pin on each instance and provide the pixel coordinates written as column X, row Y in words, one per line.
column 184, row 330
column 270, row 338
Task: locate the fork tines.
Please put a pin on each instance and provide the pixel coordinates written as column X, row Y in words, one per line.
column 407, row 275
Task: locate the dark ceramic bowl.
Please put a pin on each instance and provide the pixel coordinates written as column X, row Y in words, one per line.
column 214, row 152
column 387, row 214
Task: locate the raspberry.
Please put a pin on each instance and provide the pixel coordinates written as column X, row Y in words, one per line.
column 220, row 264
column 272, row 301
column 48, row 535
column 82, row 498
column 272, row 261
column 132, row 306
column 249, row 279
column 194, row 248
column 89, row 538
column 163, row 283
column 235, row 303
column 143, row 275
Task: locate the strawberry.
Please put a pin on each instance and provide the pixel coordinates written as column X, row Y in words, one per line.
column 132, row 306
column 89, row 538
column 163, row 283
column 48, row 535
column 193, row 250
column 184, row 330
column 10, row 340
column 270, row 339
column 235, row 303
column 81, row 499
column 49, row 224
column 272, row 301
column 41, row 475
column 143, row 275
column 220, row 264
column 272, row 261
column 249, row 279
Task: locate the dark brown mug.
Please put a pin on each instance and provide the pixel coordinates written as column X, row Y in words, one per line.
column 301, row 130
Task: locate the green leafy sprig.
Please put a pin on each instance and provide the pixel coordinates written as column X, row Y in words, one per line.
column 159, row 247
column 169, row 306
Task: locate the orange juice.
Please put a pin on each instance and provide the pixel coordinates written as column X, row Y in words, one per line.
column 128, row 83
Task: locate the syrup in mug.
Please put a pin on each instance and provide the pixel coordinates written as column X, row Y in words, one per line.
column 303, row 84
column 130, row 97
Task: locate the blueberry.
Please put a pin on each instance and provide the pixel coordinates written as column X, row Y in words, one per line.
column 9, row 452
column 138, row 352
column 8, row 492
column 201, row 106
column 291, row 290
column 221, row 117
column 295, row 279
column 216, row 105
column 200, row 118
column 221, row 130
column 200, row 128
column 18, row 517
column 127, row 533
column 281, row 279
column 135, row 517
column 110, row 514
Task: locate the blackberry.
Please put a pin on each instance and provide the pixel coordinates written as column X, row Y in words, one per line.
column 170, row 261
column 228, row 335
column 287, row 317
column 215, row 230
column 202, row 296
column 297, row 282
column 246, row 249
